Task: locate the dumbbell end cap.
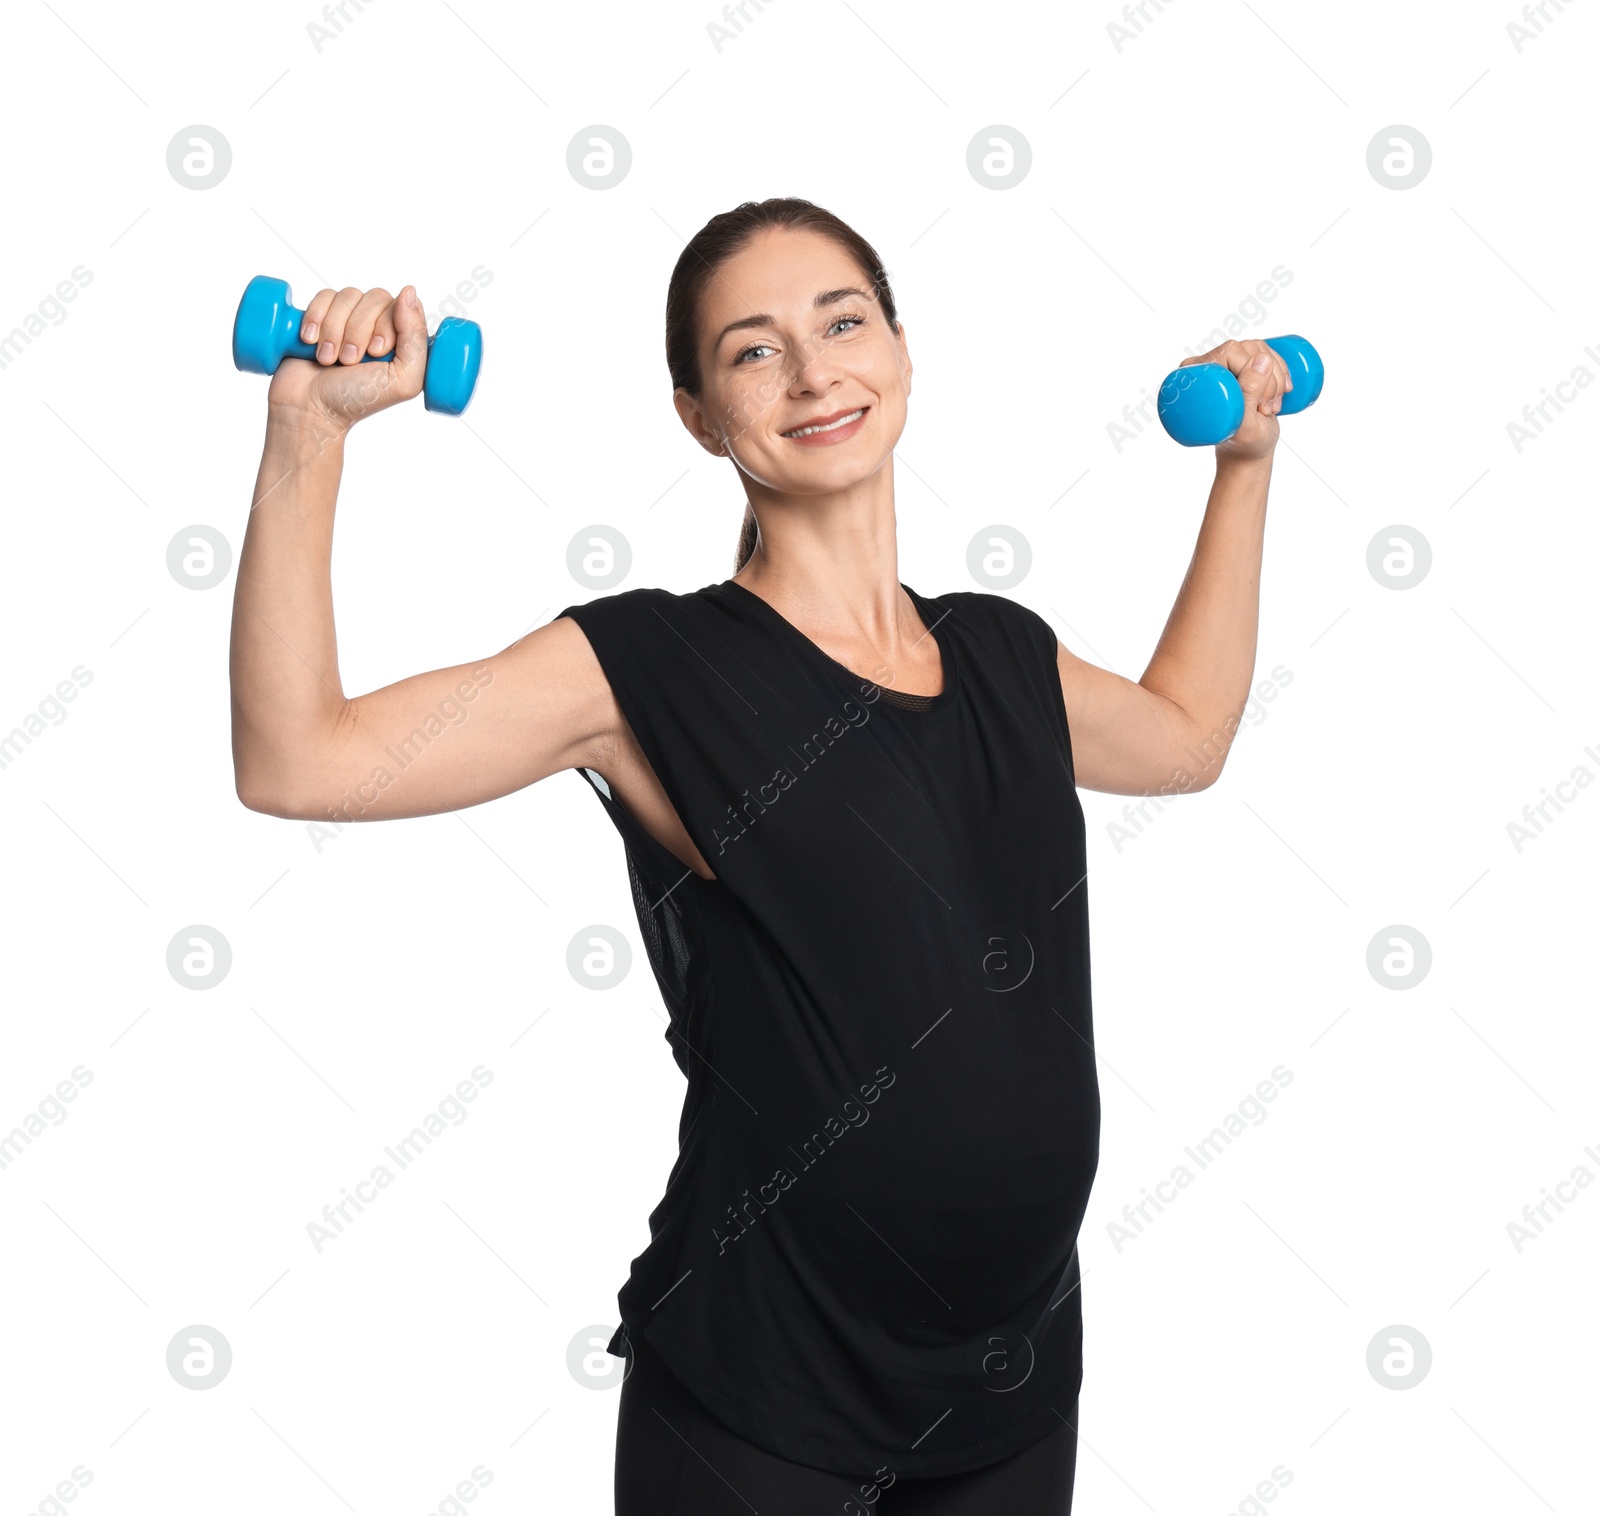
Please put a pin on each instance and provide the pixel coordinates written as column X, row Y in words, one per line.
column 1200, row 404
column 454, row 358
column 1305, row 369
column 261, row 314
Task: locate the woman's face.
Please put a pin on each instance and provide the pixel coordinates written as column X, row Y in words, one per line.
column 790, row 340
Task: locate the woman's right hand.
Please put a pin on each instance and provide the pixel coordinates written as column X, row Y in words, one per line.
column 336, row 387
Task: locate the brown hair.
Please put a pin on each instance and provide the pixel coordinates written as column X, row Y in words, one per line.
column 710, row 247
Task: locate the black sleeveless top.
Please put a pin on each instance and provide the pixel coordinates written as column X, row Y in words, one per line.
column 866, row 1254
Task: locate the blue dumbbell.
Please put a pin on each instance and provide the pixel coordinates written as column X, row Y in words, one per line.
column 266, row 330
column 1202, row 405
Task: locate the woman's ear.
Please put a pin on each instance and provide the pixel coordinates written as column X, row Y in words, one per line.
column 905, row 354
column 694, row 421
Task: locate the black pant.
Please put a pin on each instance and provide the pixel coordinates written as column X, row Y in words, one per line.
column 675, row 1459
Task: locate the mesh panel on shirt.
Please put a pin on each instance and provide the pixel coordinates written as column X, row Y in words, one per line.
column 905, row 701
column 661, row 925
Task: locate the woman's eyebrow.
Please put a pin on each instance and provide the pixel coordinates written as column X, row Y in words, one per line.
column 827, row 297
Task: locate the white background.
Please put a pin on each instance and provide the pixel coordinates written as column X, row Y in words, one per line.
column 1231, row 935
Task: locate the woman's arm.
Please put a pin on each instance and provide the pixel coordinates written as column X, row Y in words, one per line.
column 436, row 741
column 1170, row 732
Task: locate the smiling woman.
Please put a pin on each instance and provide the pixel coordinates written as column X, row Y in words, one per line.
column 737, row 343
column 908, row 1320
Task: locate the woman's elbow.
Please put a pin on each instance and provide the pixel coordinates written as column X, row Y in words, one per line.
column 270, row 795
column 254, row 796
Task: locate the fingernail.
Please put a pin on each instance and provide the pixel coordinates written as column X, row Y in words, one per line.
column 310, row 332
column 376, row 345
column 325, row 353
column 1263, row 361
column 348, row 353
column 411, row 296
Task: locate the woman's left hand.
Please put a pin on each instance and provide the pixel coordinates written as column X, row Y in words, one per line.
column 1263, row 377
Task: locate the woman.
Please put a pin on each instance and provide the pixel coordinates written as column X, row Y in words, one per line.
column 857, row 856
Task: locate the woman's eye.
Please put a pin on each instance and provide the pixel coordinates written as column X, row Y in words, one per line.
column 762, row 347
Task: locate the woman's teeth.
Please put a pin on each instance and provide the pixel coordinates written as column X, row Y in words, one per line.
column 806, row 431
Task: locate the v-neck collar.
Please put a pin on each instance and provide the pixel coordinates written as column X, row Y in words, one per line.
column 932, row 614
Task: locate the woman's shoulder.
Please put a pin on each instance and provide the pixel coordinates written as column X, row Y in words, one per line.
column 637, row 596
column 651, row 631
column 983, row 611
column 642, row 604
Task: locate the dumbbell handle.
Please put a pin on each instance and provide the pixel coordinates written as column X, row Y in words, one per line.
column 295, row 348
column 1201, row 404
column 288, row 320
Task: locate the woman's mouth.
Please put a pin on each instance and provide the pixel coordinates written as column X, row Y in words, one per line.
column 824, row 431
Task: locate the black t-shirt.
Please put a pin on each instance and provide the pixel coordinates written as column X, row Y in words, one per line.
column 866, row 1254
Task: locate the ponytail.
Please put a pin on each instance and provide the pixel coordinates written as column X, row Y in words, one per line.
column 749, row 534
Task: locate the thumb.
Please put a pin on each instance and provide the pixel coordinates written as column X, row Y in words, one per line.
column 1257, row 379
column 410, row 342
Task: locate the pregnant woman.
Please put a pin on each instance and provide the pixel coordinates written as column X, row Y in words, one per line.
column 856, row 853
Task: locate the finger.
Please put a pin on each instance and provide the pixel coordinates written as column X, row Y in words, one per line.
column 383, row 332
column 311, row 322
column 359, row 327
column 1236, row 356
column 331, row 338
column 1219, row 355
column 1271, row 395
column 1257, row 375
column 410, row 343
column 1285, row 381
